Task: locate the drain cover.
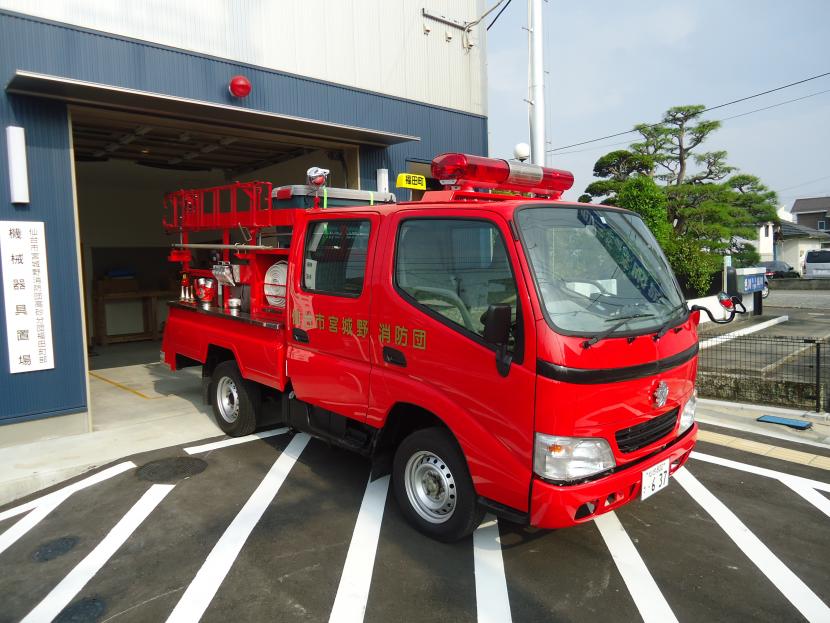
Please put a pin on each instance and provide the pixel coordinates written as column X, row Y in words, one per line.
column 172, row 469
column 53, row 549
column 87, row 610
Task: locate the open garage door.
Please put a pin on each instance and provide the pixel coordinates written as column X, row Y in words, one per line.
column 124, row 164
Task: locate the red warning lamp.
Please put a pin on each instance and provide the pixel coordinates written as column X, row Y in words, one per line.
column 239, row 86
column 471, row 172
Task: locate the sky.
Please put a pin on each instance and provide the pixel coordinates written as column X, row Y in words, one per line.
column 611, row 64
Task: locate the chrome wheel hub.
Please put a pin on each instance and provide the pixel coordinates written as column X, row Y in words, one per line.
column 430, row 487
column 227, row 398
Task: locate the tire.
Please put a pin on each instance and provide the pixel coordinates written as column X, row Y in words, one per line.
column 235, row 400
column 432, row 485
column 765, row 292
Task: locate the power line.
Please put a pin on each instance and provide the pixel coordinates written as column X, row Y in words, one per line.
column 797, row 99
column 652, row 125
column 818, row 179
column 498, row 15
column 743, row 114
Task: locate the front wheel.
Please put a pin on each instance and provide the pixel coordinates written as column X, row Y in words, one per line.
column 235, row 400
column 433, row 486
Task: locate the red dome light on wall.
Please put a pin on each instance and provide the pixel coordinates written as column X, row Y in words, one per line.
column 239, row 86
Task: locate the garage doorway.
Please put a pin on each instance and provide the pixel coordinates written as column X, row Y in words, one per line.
column 124, row 164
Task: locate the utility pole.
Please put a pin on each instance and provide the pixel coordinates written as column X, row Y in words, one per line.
column 537, row 84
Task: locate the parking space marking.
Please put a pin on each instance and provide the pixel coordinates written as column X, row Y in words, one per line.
column 721, row 339
column 69, row 489
column 210, row 576
column 60, row 596
column 811, row 495
column 790, row 585
column 788, row 357
column 235, row 441
column 761, row 471
column 492, row 602
column 644, row 591
column 356, row 579
column 41, row 507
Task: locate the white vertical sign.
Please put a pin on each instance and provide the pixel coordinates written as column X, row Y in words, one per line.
column 26, row 296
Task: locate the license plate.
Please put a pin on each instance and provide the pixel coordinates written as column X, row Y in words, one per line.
column 654, row 479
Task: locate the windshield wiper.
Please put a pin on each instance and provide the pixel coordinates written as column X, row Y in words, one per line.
column 620, row 322
column 672, row 321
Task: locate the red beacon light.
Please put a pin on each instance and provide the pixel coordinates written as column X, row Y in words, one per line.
column 470, row 172
column 239, row 86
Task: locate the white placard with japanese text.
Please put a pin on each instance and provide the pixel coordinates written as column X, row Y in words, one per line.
column 26, row 296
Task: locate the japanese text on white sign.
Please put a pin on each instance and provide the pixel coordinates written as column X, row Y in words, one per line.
column 26, row 296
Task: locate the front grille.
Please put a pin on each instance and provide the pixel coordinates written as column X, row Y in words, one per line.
column 635, row 437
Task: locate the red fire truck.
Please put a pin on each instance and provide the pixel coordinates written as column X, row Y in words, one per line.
column 493, row 346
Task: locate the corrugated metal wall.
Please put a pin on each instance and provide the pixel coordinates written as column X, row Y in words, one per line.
column 33, row 45
column 62, row 389
column 377, row 45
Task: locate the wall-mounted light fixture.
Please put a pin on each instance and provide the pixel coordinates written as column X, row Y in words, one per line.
column 18, row 171
column 239, row 86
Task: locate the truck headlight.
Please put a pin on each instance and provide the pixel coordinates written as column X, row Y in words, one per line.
column 571, row 458
column 687, row 418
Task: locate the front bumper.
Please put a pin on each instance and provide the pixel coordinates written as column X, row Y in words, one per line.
column 557, row 506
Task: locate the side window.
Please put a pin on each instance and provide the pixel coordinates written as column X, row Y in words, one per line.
column 335, row 257
column 455, row 268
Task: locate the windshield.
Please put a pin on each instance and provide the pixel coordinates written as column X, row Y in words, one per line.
column 596, row 268
column 818, row 257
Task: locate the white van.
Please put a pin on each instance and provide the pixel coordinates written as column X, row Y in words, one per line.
column 817, row 264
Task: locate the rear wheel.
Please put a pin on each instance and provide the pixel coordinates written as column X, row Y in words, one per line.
column 235, row 400
column 433, row 486
column 765, row 291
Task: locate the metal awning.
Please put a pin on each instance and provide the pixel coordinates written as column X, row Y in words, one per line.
column 108, row 96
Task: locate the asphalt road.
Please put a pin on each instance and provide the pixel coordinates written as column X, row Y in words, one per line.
column 818, row 300
column 285, row 528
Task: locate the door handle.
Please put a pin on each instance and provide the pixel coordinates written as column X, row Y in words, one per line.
column 394, row 356
column 300, row 335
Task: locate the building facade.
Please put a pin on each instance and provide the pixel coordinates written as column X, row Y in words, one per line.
column 120, row 102
column 812, row 212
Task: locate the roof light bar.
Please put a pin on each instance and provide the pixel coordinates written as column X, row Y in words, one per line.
column 471, row 172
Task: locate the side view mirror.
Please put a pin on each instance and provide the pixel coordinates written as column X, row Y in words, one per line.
column 497, row 322
column 732, row 304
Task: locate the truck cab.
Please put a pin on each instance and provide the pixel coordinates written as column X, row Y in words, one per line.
column 504, row 351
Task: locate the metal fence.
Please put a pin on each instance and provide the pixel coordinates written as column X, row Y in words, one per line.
column 776, row 370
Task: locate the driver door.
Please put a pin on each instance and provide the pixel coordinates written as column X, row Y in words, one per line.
column 447, row 268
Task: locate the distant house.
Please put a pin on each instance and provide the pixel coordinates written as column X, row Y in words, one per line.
column 812, row 212
column 789, row 242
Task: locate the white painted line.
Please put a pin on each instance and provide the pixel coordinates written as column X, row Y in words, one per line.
column 10, row 536
column 745, row 331
column 644, row 591
column 492, row 602
column 811, row 495
column 749, row 428
column 235, row 441
column 84, row 571
column 790, row 585
column 212, row 573
column 94, row 479
column 761, row 471
column 40, row 508
column 786, row 357
column 356, row 579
